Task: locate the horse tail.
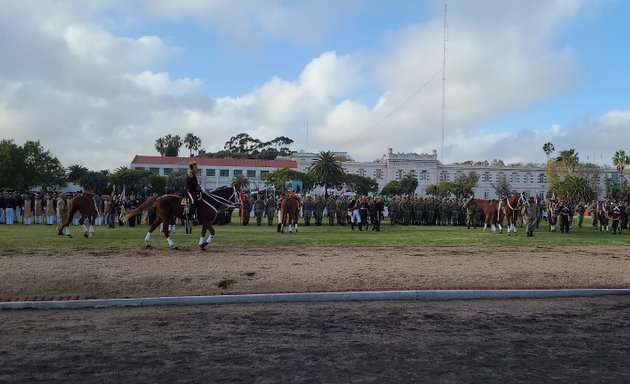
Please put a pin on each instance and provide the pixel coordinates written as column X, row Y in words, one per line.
column 142, row 207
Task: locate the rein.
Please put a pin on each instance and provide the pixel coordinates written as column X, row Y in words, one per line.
column 224, row 204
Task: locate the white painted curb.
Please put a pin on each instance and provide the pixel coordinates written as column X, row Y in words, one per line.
column 320, row 297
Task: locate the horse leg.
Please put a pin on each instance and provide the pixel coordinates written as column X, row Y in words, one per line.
column 147, row 239
column 91, row 231
column 169, row 240
column 82, row 223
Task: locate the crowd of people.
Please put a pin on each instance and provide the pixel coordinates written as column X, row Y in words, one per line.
column 358, row 212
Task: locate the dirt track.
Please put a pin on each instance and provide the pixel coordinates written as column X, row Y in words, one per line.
column 579, row 340
column 222, row 270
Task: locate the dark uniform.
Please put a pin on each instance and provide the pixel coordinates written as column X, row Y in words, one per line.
column 193, row 188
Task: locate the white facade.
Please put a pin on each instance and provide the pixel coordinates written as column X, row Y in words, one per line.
column 392, row 166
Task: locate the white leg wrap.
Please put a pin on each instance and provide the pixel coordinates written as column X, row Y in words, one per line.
column 91, row 229
column 209, row 240
column 170, row 241
column 147, row 238
column 84, row 228
column 201, row 240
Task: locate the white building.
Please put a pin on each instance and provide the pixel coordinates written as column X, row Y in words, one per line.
column 392, row 166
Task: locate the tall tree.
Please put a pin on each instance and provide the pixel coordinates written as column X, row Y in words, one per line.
column 240, row 182
column 620, row 160
column 548, row 149
column 173, row 144
column 409, row 183
column 160, row 146
column 76, row 172
column 463, row 184
column 502, row 188
column 568, row 160
column 326, row 170
column 362, row 185
column 392, row 188
column 192, row 142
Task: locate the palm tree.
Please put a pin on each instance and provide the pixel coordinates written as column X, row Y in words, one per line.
column 326, row 170
column 76, row 172
column 409, row 183
column 620, row 160
column 568, row 159
column 160, row 146
column 548, row 149
column 240, row 182
column 192, row 142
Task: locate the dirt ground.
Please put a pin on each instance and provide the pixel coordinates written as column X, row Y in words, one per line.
column 576, row 340
column 108, row 273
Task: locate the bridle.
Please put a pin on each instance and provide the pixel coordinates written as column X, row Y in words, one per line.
column 224, row 204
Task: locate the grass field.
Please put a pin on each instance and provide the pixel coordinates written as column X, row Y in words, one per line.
column 43, row 236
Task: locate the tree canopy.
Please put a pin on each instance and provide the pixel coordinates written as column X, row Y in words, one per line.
column 28, row 166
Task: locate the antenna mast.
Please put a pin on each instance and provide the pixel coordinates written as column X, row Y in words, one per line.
column 306, row 123
column 444, row 79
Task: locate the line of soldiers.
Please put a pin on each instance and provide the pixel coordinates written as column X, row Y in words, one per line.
column 415, row 210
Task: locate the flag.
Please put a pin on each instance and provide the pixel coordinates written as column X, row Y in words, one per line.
column 122, row 203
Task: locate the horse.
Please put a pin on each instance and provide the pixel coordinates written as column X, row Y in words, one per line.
column 170, row 207
column 511, row 206
column 552, row 214
column 87, row 207
column 603, row 215
column 491, row 211
column 289, row 211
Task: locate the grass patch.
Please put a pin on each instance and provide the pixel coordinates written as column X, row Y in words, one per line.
column 45, row 236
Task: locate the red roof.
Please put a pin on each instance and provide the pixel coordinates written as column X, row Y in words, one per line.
column 213, row 162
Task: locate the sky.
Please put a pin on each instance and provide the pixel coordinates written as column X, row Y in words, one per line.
column 98, row 81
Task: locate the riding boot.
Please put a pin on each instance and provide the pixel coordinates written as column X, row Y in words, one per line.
column 360, row 226
column 352, row 225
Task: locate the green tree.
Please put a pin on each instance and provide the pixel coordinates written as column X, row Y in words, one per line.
column 361, row 184
column 502, row 188
column 568, row 160
column 620, row 160
column 41, row 167
column 173, row 144
column 175, row 182
column 326, row 170
column 442, row 189
column 98, row 182
column 240, row 182
column 576, row 188
column 76, row 172
column 463, row 184
column 282, row 176
column 548, row 149
column 392, row 188
column 160, row 146
column 192, row 142
column 12, row 166
column 409, row 183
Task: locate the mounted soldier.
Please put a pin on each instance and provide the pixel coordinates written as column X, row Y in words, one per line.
column 193, row 188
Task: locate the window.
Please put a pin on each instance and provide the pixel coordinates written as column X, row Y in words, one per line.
column 399, row 174
column 224, row 172
column 238, row 172
column 155, row 171
column 263, row 174
column 486, row 177
column 444, row 176
column 168, row 171
column 361, row 172
column 514, row 177
column 424, row 175
column 211, row 172
column 251, row 173
column 541, row 178
column 378, row 173
column 486, row 195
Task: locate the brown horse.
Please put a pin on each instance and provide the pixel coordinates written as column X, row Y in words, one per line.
column 88, row 207
column 491, row 211
column 170, row 207
column 510, row 207
column 289, row 211
column 603, row 215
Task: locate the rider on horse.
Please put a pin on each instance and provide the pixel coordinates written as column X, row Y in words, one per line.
column 193, row 187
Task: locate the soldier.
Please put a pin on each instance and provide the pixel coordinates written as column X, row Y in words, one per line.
column 331, row 207
column 62, row 212
column 50, row 213
column 309, row 206
column 270, row 208
column 320, row 204
column 28, row 209
column 580, row 209
column 531, row 211
column 259, row 209
column 246, row 209
column 37, row 208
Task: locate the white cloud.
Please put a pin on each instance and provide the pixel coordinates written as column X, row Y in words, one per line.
column 94, row 94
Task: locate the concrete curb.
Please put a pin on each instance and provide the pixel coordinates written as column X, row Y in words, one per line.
column 409, row 295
